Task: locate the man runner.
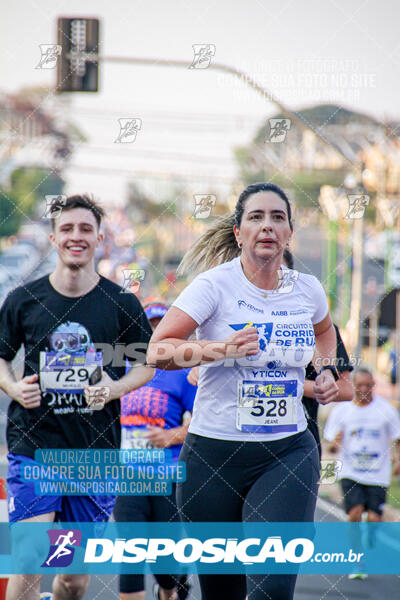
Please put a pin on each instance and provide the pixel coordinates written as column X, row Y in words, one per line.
column 59, row 319
column 364, row 429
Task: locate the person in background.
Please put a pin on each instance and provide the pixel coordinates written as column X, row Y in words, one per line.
column 365, row 431
column 344, row 383
column 156, row 416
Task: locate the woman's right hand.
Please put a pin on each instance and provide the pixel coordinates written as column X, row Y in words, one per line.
column 242, row 343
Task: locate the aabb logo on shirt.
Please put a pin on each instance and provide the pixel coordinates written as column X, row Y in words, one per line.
column 264, row 331
column 61, row 552
column 279, row 313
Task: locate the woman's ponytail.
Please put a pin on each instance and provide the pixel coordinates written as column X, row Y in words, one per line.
column 217, row 245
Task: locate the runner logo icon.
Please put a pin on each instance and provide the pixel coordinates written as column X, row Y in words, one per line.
column 264, row 331
column 61, row 553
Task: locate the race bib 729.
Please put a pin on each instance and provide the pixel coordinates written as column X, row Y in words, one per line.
column 64, row 372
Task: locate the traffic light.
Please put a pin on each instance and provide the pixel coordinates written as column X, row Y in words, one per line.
column 77, row 36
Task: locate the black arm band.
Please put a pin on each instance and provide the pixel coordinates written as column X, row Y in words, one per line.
column 332, row 369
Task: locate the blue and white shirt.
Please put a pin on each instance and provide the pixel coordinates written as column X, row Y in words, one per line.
column 366, row 445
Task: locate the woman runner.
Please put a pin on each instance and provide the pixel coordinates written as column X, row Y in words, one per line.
column 248, row 453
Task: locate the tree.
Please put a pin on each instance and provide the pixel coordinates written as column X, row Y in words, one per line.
column 10, row 214
column 302, row 163
column 26, row 197
column 30, row 186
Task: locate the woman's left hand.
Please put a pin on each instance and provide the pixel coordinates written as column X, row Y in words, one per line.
column 325, row 388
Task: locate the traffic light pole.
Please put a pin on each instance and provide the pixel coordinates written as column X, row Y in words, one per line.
column 356, row 284
column 247, row 79
column 287, row 113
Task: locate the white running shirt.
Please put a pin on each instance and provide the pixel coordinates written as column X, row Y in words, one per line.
column 256, row 398
column 368, row 432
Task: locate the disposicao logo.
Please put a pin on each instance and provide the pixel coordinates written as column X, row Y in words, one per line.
column 192, row 550
column 61, row 552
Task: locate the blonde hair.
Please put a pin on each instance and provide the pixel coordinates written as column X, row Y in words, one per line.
column 217, row 245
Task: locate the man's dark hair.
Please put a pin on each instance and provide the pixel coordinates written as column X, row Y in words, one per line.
column 364, row 370
column 77, row 201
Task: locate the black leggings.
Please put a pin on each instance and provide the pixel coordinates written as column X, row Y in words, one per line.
column 141, row 509
column 249, row 481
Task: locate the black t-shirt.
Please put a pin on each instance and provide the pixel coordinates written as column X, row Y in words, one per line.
column 41, row 319
column 310, row 404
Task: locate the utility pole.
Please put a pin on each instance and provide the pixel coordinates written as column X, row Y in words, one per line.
column 358, row 201
column 331, row 203
column 356, row 282
column 247, row 79
column 79, row 40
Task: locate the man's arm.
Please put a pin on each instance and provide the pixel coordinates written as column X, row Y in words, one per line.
column 113, row 389
column 135, row 378
column 344, row 383
column 396, row 457
column 26, row 391
column 163, row 438
column 325, row 387
column 334, row 446
column 7, row 377
column 334, row 429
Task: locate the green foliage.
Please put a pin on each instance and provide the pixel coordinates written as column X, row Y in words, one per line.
column 320, row 114
column 143, row 208
column 304, row 185
column 393, row 497
column 10, row 215
column 334, row 114
column 30, row 186
column 27, row 192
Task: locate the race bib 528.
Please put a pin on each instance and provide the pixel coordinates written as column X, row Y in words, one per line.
column 267, row 406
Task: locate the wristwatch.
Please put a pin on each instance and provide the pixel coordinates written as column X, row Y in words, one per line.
column 330, row 368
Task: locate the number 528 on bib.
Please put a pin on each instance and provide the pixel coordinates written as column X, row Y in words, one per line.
column 267, row 406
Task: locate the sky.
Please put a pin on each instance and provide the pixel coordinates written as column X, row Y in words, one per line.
column 342, row 52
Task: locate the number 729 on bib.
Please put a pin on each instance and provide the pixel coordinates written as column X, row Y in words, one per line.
column 61, row 372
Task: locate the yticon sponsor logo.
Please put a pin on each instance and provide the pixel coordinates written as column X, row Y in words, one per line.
column 190, row 550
